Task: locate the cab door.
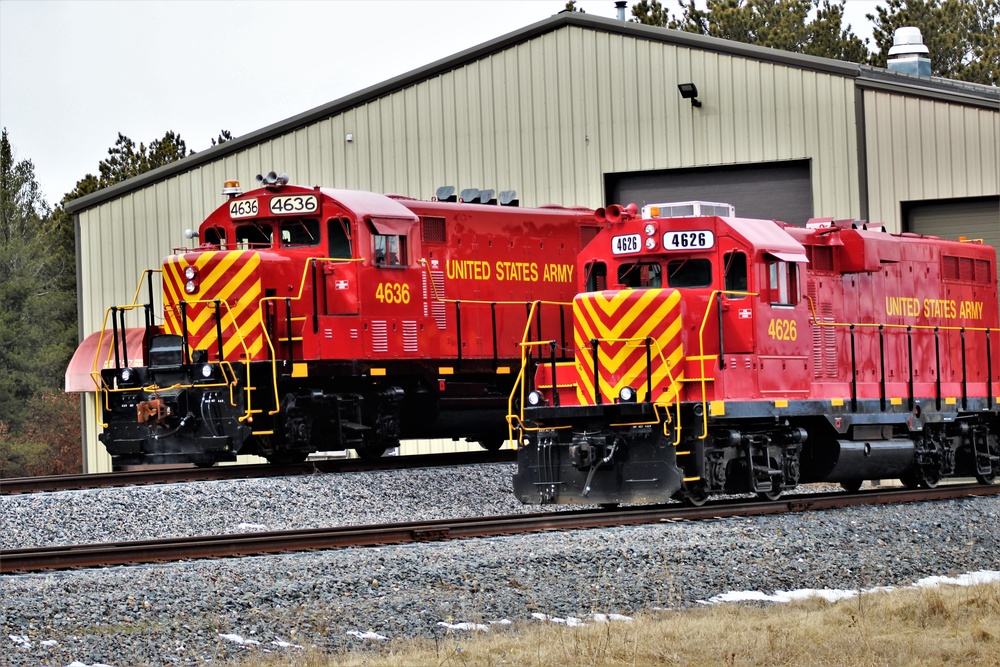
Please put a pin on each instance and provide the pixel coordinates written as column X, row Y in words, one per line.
column 340, row 275
column 737, row 304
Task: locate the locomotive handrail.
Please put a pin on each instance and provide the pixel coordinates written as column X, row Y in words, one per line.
column 716, row 294
column 263, row 325
column 103, row 388
column 874, row 325
column 519, row 384
column 925, row 327
column 532, row 313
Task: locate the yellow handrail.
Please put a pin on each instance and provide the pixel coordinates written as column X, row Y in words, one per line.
column 701, row 351
column 297, row 297
column 519, row 386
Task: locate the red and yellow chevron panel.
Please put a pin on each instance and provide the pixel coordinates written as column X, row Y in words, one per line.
column 621, row 321
column 234, row 279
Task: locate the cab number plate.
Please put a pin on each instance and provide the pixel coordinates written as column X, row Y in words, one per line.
column 294, row 204
column 626, row 244
column 700, row 239
column 243, row 208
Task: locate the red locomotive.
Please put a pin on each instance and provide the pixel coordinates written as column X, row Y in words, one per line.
column 716, row 354
column 312, row 319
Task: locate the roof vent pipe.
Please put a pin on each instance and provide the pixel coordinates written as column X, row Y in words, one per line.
column 908, row 53
column 620, row 6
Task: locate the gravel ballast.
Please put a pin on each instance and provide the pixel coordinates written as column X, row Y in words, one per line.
column 189, row 613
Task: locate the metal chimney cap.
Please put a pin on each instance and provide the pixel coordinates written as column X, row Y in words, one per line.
column 907, row 41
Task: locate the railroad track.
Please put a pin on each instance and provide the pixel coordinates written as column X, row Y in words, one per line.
column 250, row 544
column 20, row 485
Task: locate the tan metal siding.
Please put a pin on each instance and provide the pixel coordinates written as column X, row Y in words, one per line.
column 920, row 149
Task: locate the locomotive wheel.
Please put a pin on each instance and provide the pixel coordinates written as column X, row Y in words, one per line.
column 920, row 479
column 694, row 495
column 986, row 479
column 773, row 494
column 204, row 463
column 852, row 486
column 370, row 452
column 287, row 457
column 491, row 444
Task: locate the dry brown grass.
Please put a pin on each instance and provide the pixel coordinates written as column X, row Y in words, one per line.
column 944, row 626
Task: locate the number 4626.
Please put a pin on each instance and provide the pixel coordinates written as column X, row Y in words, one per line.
column 782, row 330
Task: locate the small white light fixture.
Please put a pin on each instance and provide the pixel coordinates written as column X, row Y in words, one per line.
column 349, row 138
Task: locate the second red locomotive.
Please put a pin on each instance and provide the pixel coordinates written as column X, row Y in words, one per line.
column 717, row 354
column 313, row 319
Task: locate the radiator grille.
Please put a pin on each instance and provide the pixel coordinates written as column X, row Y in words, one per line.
column 410, row 337
column 380, row 336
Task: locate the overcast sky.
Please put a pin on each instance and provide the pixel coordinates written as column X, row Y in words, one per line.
column 73, row 74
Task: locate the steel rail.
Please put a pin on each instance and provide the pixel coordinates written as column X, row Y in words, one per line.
column 20, row 485
column 249, row 544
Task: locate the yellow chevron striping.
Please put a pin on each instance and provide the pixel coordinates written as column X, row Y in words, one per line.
column 616, row 324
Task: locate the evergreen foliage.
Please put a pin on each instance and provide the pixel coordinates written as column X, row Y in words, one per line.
column 963, row 35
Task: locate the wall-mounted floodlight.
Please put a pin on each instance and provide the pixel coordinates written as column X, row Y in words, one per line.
column 689, row 91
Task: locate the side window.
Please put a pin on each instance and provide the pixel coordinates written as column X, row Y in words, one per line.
column 782, row 283
column 689, row 273
column 735, row 266
column 339, row 233
column 597, row 277
column 253, row 236
column 299, row 233
column 390, row 250
column 641, row 275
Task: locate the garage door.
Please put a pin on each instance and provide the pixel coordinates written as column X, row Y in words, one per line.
column 772, row 190
column 977, row 218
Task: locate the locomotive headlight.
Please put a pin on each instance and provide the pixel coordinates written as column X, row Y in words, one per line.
column 627, row 395
column 651, row 243
column 207, row 371
column 127, row 374
column 650, row 229
column 190, row 287
column 534, row 399
column 190, row 273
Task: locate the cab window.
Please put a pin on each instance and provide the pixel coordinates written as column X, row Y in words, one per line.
column 339, row 233
column 735, row 267
column 253, row 236
column 641, row 275
column 390, row 250
column 689, row 273
column 215, row 236
column 597, row 277
column 782, row 283
column 299, row 233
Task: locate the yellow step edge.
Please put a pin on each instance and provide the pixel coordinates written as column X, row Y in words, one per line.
column 262, row 432
column 692, row 479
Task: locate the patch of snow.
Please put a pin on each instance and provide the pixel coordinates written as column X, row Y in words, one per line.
column 236, row 639
column 832, row 595
column 478, row 627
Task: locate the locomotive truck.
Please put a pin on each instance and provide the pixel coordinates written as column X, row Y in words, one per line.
column 717, row 354
column 314, row 319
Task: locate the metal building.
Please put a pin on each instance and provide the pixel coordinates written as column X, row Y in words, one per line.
column 582, row 110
